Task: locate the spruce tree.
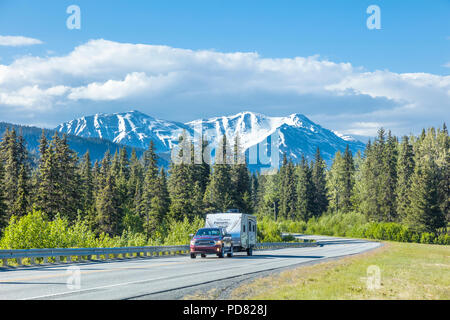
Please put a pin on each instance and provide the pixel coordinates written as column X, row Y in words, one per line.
column 305, row 191
column 374, row 173
column 405, row 169
column 160, row 202
column 240, row 179
column 254, row 185
column 3, row 216
column 219, row 194
column 347, row 180
column 150, row 185
column 47, row 198
column 108, row 218
column 59, row 186
column 69, row 203
column 340, row 182
column 288, row 191
column 21, row 203
column 135, row 182
column 16, row 181
column 424, row 213
column 389, row 179
column 443, row 160
column 87, row 185
column 320, row 185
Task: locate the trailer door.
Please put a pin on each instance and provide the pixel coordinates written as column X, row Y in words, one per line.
column 244, row 231
column 251, row 232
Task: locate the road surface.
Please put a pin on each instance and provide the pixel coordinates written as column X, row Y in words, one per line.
column 147, row 277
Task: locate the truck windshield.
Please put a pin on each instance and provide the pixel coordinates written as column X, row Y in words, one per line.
column 208, row 232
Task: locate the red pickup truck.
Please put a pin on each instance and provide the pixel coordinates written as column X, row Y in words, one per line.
column 211, row 241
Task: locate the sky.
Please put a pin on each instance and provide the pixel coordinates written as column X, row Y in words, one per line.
column 184, row 60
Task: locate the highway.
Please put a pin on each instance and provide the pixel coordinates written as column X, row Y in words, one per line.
column 146, row 277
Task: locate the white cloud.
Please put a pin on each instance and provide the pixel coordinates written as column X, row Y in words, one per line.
column 163, row 80
column 33, row 97
column 17, row 41
column 134, row 83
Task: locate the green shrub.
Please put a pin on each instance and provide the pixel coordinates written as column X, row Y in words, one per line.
column 178, row 232
column 289, row 238
column 427, row 237
column 34, row 231
column 268, row 231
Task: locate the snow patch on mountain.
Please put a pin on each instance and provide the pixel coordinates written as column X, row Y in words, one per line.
column 297, row 134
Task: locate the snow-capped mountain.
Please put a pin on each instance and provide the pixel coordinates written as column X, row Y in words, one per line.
column 133, row 128
column 297, row 134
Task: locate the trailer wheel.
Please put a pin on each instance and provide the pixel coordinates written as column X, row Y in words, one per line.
column 250, row 251
column 193, row 256
column 203, row 255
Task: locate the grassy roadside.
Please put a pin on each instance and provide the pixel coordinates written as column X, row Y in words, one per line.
column 408, row 271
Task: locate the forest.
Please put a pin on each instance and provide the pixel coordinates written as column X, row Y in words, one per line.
column 397, row 189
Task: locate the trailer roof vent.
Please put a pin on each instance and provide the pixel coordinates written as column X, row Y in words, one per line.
column 233, row 211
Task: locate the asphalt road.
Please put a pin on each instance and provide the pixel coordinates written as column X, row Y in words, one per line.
column 147, row 277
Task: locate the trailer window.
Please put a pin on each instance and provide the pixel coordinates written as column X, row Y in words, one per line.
column 243, row 228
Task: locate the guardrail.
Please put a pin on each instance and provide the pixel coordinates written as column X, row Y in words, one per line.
column 92, row 254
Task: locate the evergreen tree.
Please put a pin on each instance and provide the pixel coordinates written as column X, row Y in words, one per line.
column 59, row 181
column 16, row 174
column 202, row 168
column 149, row 215
column 21, row 203
column 106, row 166
column 424, row 214
column 219, row 194
column 68, row 201
column 305, row 191
column 443, row 142
column 87, row 185
column 254, row 185
column 181, row 180
column 340, row 182
column 49, row 185
column 389, row 179
column 108, row 218
column 161, row 200
column 405, row 169
column 122, row 181
column 3, row 216
column 269, row 193
column 288, row 190
column 320, row 185
column 347, row 180
column 135, row 182
column 240, row 179
column 374, row 171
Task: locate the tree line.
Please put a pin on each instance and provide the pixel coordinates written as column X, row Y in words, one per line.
column 404, row 181
column 121, row 192
column 394, row 180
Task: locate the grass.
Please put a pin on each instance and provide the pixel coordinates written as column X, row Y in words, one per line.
column 408, row 271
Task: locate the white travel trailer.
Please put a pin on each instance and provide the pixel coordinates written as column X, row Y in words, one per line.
column 240, row 226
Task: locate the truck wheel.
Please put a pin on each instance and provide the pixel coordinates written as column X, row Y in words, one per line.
column 222, row 253
column 193, row 256
column 203, row 255
column 250, row 251
column 230, row 254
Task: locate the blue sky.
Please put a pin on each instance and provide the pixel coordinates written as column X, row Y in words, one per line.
column 414, row 39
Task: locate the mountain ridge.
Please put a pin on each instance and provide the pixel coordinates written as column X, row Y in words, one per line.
column 298, row 135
